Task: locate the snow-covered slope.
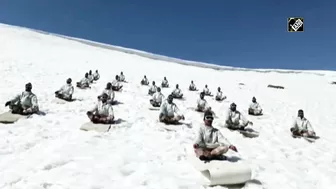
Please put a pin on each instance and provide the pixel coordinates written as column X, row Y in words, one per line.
column 51, row 152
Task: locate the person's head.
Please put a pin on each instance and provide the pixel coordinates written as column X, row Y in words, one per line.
column 158, row 89
column 104, row 97
column 68, row 81
column 254, row 99
column 153, row 82
column 121, row 73
column 109, row 85
column 96, row 71
column 192, row 81
column 165, row 78
column 145, row 76
column 86, row 75
column 90, row 72
column 117, row 77
column 170, row 99
column 177, row 86
column 233, row 107
column 29, row 87
column 202, row 95
column 218, row 89
column 300, row 114
column 206, row 86
column 208, row 118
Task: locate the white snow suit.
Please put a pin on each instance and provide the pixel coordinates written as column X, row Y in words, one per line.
column 302, row 125
column 84, row 82
column 206, row 91
column 103, row 109
column 116, row 83
column 192, row 86
column 96, row 76
column 158, row 97
column 121, row 77
column 110, row 93
column 145, row 81
column 164, row 82
column 220, row 95
column 255, row 108
column 26, row 100
column 152, row 89
column 169, row 110
column 66, row 90
column 177, row 92
column 210, row 138
column 235, row 119
column 202, row 104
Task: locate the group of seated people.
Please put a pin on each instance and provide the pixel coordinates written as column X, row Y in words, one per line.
column 26, row 103
column 88, row 79
column 164, row 83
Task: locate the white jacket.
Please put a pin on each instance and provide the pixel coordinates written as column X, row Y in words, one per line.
column 66, row 90
column 177, row 91
column 103, row 109
column 169, row 110
column 85, row 81
column 153, row 88
column 110, row 93
column 116, row 83
column 255, row 106
column 27, row 100
column 158, row 97
column 145, row 80
column 96, row 76
column 220, row 95
column 302, row 124
column 192, row 86
column 235, row 118
column 91, row 78
column 210, row 137
column 206, row 90
column 164, row 82
column 202, row 103
column 122, row 77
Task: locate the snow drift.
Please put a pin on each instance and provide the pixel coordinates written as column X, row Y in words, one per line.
column 51, row 152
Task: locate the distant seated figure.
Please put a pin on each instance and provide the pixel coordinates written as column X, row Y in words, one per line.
column 157, row 98
column 302, row 127
column 202, row 104
column 192, row 86
column 121, row 77
column 110, row 93
column 169, row 113
column 116, row 85
column 90, row 77
column 102, row 112
column 66, row 91
column 206, row 91
column 219, row 95
column 235, row 120
column 165, row 83
column 152, row 88
column 177, row 92
column 254, row 108
column 84, row 83
column 24, row 103
column 96, row 76
column 210, row 143
column 144, row 81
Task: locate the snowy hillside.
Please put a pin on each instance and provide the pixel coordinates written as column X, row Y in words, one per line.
column 51, row 152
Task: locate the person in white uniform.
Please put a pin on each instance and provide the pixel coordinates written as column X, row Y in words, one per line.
column 301, row 126
column 254, row 108
column 102, row 112
column 235, row 120
column 66, row 91
column 169, row 112
column 24, row 103
column 210, row 143
column 157, row 99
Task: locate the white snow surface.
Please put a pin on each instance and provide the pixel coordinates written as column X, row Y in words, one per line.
column 51, row 152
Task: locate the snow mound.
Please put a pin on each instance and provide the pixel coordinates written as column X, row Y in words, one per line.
column 51, row 152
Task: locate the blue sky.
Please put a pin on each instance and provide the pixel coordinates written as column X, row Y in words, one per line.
column 239, row 33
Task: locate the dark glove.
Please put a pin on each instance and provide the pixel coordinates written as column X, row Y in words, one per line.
column 233, row 148
column 196, row 146
column 56, row 92
column 89, row 113
column 7, row 103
